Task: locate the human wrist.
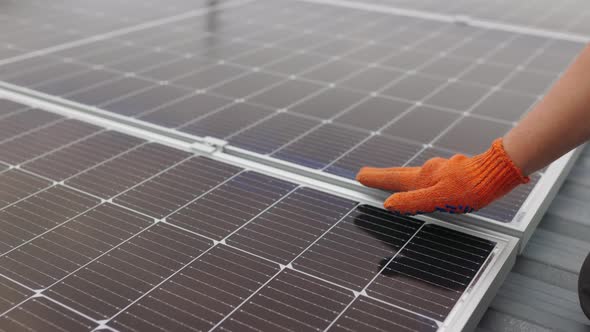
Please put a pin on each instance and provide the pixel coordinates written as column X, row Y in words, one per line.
column 518, row 154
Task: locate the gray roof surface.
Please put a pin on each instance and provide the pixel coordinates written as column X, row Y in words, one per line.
column 540, row 293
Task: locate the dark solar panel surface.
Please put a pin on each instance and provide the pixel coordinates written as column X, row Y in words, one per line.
column 186, row 242
column 360, row 88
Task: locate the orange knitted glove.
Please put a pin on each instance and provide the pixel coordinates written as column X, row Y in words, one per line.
column 457, row 185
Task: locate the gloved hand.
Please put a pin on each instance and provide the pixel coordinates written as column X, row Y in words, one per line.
column 457, row 185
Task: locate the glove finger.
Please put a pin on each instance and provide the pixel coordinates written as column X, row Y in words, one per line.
column 394, row 179
column 426, row 200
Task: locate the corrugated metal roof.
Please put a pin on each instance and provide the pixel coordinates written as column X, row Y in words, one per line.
column 540, row 293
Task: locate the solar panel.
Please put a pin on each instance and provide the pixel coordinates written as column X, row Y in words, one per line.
column 111, row 224
column 569, row 17
column 31, row 26
column 143, row 236
column 332, row 96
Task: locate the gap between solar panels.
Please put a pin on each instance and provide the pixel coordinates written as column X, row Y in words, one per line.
column 174, row 239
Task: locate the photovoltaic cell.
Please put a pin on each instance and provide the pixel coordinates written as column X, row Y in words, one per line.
column 108, row 91
column 231, row 205
column 146, row 100
column 47, row 259
column 228, row 121
column 39, row 213
column 372, row 79
column 167, row 192
column 8, row 107
column 328, row 103
column 45, row 73
column 505, row 105
column 273, row 133
column 482, row 133
column 75, row 158
column 291, row 301
column 74, row 81
column 352, row 252
column 17, row 185
column 46, row 139
column 178, row 68
column 42, row 314
column 246, row 85
column 286, row 93
column 11, row 294
column 285, row 230
column 21, row 123
column 318, row 148
column 105, row 286
column 428, row 154
column 186, row 110
column 210, row 76
column 422, row 124
column 366, row 314
column 373, row 113
column 429, row 275
column 201, row 295
column 126, row 170
column 457, row 96
column 377, row 151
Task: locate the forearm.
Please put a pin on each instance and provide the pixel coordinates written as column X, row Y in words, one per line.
column 557, row 124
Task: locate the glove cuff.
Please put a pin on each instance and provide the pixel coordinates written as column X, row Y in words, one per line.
column 494, row 172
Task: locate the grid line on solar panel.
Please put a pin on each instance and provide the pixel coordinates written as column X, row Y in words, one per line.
column 367, row 314
column 375, row 151
column 91, row 152
column 321, row 145
column 21, row 123
column 115, row 280
column 40, row 313
column 184, row 111
column 201, row 294
column 231, row 205
column 40, row 213
column 272, row 234
column 18, row 185
column 176, row 187
column 127, row 170
column 478, row 148
column 52, row 255
column 45, row 140
column 291, row 301
column 351, row 253
column 8, row 107
column 227, row 121
column 11, row 294
column 431, row 272
column 147, row 101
